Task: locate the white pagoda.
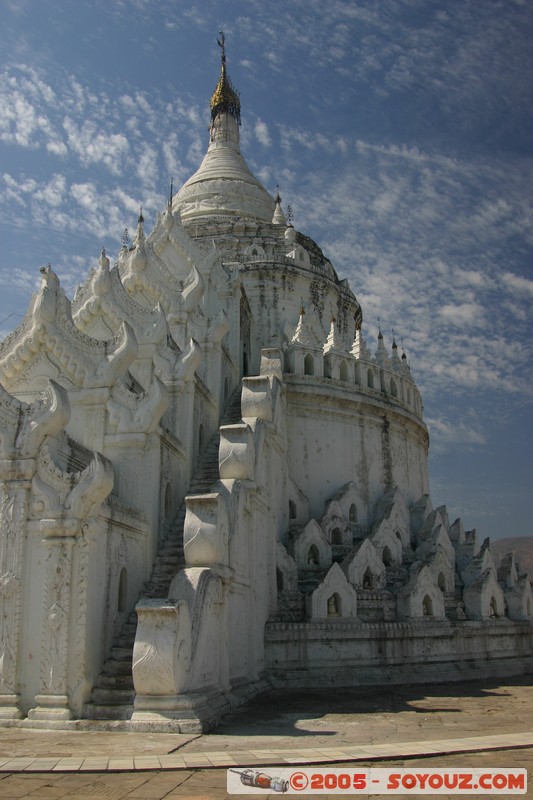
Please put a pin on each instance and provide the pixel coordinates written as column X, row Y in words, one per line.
column 210, row 485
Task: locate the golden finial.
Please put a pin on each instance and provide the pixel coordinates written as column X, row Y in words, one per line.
column 222, row 44
column 225, row 98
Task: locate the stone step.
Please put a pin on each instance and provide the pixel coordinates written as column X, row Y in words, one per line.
column 128, row 629
column 112, row 667
column 121, row 654
column 198, row 487
column 108, row 711
column 173, row 555
column 112, row 696
column 164, row 568
column 155, row 589
column 124, row 681
column 160, row 581
column 207, row 479
column 174, row 552
column 126, row 640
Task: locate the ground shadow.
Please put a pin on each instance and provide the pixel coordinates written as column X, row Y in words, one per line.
column 283, row 712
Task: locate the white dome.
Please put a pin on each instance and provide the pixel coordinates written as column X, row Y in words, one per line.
column 224, row 185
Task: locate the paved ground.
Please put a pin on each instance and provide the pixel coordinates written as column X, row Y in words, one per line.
column 472, row 724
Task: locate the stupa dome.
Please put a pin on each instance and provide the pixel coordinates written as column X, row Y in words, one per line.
column 224, row 185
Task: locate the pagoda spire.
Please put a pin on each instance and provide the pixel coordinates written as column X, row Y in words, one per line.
column 225, row 98
column 381, row 353
column 224, row 184
column 302, row 333
column 279, row 216
column 139, row 233
column 333, row 342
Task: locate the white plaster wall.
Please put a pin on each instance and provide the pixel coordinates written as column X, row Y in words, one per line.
column 337, row 436
column 351, row 654
column 276, row 295
column 93, row 608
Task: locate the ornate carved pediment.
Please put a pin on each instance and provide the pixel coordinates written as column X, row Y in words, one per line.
column 436, row 541
column 311, row 548
column 132, row 412
column 25, row 426
column 333, row 598
column 104, row 302
column 519, row 598
column 189, row 362
column 364, row 566
column 116, row 362
column 288, row 568
column 384, row 539
column 484, row 598
column 61, row 494
column 49, row 329
column 165, row 268
column 193, row 290
column 420, row 597
column 393, row 510
column 185, row 253
column 308, row 332
column 206, row 531
column 478, row 565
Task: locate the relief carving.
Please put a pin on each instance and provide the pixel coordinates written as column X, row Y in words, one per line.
column 190, row 361
column 56, row 614
column 132, row 413
column 193, row 290
column 162, row 650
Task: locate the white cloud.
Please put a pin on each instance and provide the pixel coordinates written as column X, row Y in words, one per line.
column 128, row 202
column 445, row 434
column 516, row 284
column 147, row 167
column 170, row 148
column 262, row 134
column 462, row 314
column 17, row 120
column 53, row 193
column 423, row 232
column 16, row 190
column 86, row 194
column 57, row 148
column 94, row 146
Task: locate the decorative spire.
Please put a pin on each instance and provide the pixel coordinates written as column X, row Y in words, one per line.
column 279, row 216
column 359, row 347
column 333, row 341
column 395, row 358
column 139, row 233
column 290, row 215
column 171, row 192
column 103, row 261
column 404, row 364
column 302, row 333
column 381, row 353
column 225, row 98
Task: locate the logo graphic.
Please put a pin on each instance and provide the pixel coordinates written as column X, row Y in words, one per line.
column 260, row 780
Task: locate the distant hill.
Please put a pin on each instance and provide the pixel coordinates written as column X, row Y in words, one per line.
column 521, row 546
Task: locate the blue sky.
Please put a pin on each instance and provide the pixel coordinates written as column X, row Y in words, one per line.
column 400, row 131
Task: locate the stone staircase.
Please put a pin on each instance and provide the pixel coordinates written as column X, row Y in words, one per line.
column 113, row 694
